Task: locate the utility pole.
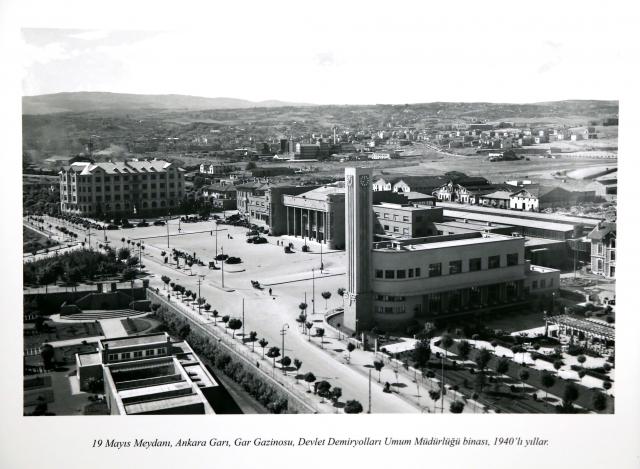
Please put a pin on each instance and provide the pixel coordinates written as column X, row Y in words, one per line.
column 369, row 409
column 283, row 331
column 89, row 236
column 321, row 263
column 200, row 279
column 313, row 291
column 222, row 264
column 168, row 218
column 242, row 318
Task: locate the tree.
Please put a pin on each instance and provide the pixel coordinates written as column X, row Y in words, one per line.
column 599, row 401
column 297, row 364
column 309, row 378
column 250, row 165
column 184, row 331
column 494, row 344
column 606, row 385
column 263, row 343
column 320, row 333
column 323, row 389
column 581, row 374
column 456, row 407
column 336, row 394
column 557, row 364
column 503, row 366
column 301, row 319
column 482, row 358
column 570, row 395
column 234, row 324
column 308, row 325
column 215, row 314
column 350, row 348
column 341, row 292
column 285, row 362
column 124, row 254
column 274, row 352
column 524, row 377
column 253, row 335
column 353, row 407
column 434, row 396
column 378, row 365
column 165, row 280
column 326, row 295
column 47, row 353
column 581, row 359
column 422, row 352
column 548, row 381
column 207, row 307
column 225, row 320
column 464, row 348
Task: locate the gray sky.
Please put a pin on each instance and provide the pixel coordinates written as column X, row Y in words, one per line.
column 343, row 52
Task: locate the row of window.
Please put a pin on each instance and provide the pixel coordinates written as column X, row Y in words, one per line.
column 386, row 216
column 117, row 206
column 455, row 267
column 405, row 231
column 136, row 354
column 389, row 298
column 390, row 309
column 107, row 197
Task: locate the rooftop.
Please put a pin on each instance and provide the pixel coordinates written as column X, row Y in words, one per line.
column 515, row 221
column 322, row 193
column 440, row 242
column 119, row 342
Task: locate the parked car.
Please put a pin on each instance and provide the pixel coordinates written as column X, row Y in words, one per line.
column 113, row 227
column 142, row 224
column 158, row 223
column 259, row 240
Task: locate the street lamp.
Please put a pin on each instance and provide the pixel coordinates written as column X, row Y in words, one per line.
column 200, row 279
column 313, row 291
column 283, row 331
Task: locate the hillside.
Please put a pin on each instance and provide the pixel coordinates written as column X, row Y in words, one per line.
column 99, row 101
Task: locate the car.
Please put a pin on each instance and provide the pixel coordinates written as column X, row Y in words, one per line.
column 142, row 224
column 158, row 223
column 259, row 240
column 113, row 227
column 250, row 240
column 252, row 233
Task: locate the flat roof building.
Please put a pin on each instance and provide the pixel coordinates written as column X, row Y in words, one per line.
column 149, row 374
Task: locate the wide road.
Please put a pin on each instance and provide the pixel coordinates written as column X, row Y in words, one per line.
column 265, row 314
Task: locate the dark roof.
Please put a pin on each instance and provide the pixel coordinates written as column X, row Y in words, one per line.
column 220, row 188
column 602, row 230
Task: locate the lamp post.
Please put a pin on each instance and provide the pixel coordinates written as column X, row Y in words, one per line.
column 222, row 264
column 283, row 331
column 321, row 263
column 200, row 279
column 313, row 291
column 168, row 218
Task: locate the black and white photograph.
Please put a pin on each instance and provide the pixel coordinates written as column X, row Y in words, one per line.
column 275, row 208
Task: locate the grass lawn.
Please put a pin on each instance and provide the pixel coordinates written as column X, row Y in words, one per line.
column 34, row 241
column 137, row 325
column 64, row 331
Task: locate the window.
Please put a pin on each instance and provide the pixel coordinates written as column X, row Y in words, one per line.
column 512, row 259
column 395, row 218
column 543, row 283
column 162, row 351
column 494, row 262
column 612, row 244
column 475, row 264
column 613, row 255
column 378, row 273
column 112, row 356
column 137, row 354
column 405, row 218
column 417, row 271
column 410, row 273
column 405, row 231
column 435, row 270
column 149, row 353
column 599, row 248
column 599, row 265
column 389, row 273
column 126, row 356
column 396, row 229
column 386, row 216
column 386, row 227
column 455, row 267
column 401, row 273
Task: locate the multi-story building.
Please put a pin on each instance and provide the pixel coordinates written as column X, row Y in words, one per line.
column 265, row 205
column 317, row 215
column 220, row 196
column 393, row 220
column 127, row 188
column 393, row 283
column 603, row 249
column 149, row 374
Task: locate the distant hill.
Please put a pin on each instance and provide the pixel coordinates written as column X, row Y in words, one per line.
column 102, row 101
